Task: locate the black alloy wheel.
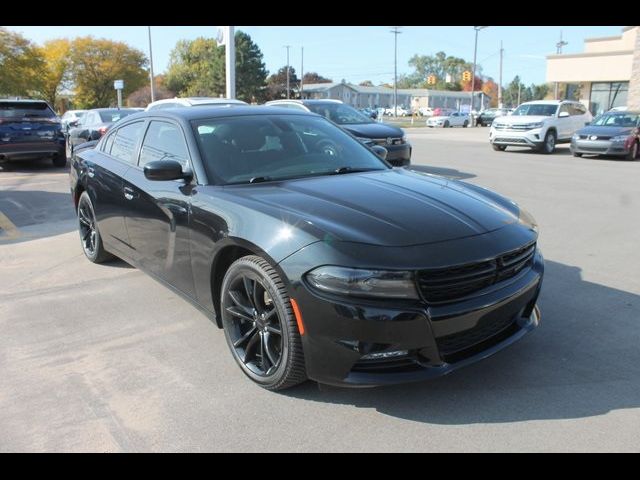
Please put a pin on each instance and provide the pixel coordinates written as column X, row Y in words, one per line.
column 89, row 234
column 260, row 325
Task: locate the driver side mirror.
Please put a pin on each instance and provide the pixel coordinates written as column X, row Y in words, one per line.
column 380, row 151
column 165, row 170
column 563, row 114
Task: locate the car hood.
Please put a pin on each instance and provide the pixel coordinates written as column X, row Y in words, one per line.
column 521, row 119
column 389, row 208
column 373, row 130
column 606, row 131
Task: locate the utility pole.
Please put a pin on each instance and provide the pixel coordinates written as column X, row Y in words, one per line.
column 287, row 47
column 559, row 46
column 473, row 74
column 519, row 86
column 500, row 78
column 153, row 88
column 301, row 70
column 396, row 31
column 230, row 62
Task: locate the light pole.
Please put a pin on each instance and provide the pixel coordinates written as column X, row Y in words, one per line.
column 153, row 89
column 473, row 74
column 396, row 31
column 287, row 47
column 559, row 46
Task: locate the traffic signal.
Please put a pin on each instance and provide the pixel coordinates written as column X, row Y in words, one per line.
column 466, row 76
column 431, row 80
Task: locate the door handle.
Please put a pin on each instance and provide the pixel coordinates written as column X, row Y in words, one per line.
column 129, row 193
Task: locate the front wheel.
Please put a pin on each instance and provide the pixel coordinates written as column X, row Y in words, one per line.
column 465, row 124
column 89, row 235
column 499, row 148
column 260, row 326
column 575, row 154
column 549, row 144
column 446, row 124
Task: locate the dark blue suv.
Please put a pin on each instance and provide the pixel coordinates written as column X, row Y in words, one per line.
column 30, row 129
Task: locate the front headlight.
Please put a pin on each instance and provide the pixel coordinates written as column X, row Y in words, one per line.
column 575, row 136
column 404, row 139
column 363, row 283
column 620, row 138
column 535, row 125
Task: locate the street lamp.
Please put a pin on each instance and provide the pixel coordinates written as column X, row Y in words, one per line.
column 473, row 74
column 396, row 31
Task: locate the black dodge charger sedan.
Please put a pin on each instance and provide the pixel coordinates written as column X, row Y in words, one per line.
column 317, row 258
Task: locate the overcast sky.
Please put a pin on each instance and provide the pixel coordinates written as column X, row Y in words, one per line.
column 361, row 53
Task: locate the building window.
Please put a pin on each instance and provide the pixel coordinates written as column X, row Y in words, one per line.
column 605, row 96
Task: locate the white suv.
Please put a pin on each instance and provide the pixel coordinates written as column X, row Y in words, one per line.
column 193, row 102
column 539, row 125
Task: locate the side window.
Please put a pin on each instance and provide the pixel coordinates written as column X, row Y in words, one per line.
column 108, row 143
column 578, row 109
column 164, row 141
column 564, row 108
column 125, row 141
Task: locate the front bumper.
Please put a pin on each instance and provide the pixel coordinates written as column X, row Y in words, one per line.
column 399, row 155
column 31, row 150
column 438, row 339
column 599, row 147
column 517, row 138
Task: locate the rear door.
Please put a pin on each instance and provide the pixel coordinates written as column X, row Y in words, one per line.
column 158, row 212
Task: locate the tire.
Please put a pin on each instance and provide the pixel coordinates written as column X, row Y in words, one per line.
column 90, row 238
column 446, row 124
column 633, row 152
column 254, row 306
column 465, row 124
column 67, row 148
column 549, row 144
column 577, row 154
column 499, row 148
column 59, row 160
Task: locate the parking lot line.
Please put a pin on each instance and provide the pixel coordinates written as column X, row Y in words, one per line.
column 7, row 229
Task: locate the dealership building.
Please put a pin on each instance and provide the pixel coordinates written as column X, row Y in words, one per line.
column 605, row 75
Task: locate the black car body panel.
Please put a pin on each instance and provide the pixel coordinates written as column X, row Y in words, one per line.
column 29, row 129
column 182, row 231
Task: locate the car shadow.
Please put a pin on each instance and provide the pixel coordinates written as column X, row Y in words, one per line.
column 582, row 361
column 31, row 166
column 443, row 172
column 560, row 150
column 35, row 214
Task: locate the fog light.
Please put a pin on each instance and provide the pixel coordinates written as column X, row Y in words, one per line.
column 383, row 355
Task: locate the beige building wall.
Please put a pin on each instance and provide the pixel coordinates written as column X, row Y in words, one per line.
column 592, row 67
column 633, row 98
column 626, row 41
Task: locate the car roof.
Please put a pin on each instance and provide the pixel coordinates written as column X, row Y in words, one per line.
column 550, row 102
column 198, row 101
column 22, row 100
column 187, row 113
column 308, row 101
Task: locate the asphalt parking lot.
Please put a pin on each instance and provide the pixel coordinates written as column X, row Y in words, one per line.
column 103, row 358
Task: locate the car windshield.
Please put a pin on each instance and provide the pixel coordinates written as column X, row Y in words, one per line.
column 339, row 113
column 80, row 114
column 607, row 120
column 542, row 109
column 25, row 110
column 252, row 149
column 114, row 115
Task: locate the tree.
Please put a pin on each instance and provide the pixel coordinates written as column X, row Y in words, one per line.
column 142, row 96
column 56, row 74
column 96, row 63
column 442, row 66
column 313, row 77
column 21, row 64
column 477, row 85
column 490, row 89
column 277, row 83
column 197, row 67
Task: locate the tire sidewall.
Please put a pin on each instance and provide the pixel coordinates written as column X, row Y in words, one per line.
column 85, row 198
column 545, row 148
column 282, row 305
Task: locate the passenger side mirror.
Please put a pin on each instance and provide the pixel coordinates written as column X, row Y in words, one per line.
column 563, row 114
column 380, row 151
column 164, row 170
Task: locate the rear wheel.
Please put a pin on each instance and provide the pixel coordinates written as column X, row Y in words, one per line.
column 575, row 154
column 89, row 235
column 499, row 148
column 260, row 326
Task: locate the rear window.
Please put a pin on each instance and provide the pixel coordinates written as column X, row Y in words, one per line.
column 25, row 109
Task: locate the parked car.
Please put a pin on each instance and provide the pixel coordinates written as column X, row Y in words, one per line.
column 612, row 133
column 316, row 258
column 193, row 102
column 30, row 129
column 93, row 125
column 486, row 117
column 400, row 111
column 455, row 119
column 425, row 111
column 539, row 125
column 70, row 119
column 369, row 112
column 441, row 111
column 367, row 131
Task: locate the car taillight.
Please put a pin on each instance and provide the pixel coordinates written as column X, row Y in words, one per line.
column 102, row 130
